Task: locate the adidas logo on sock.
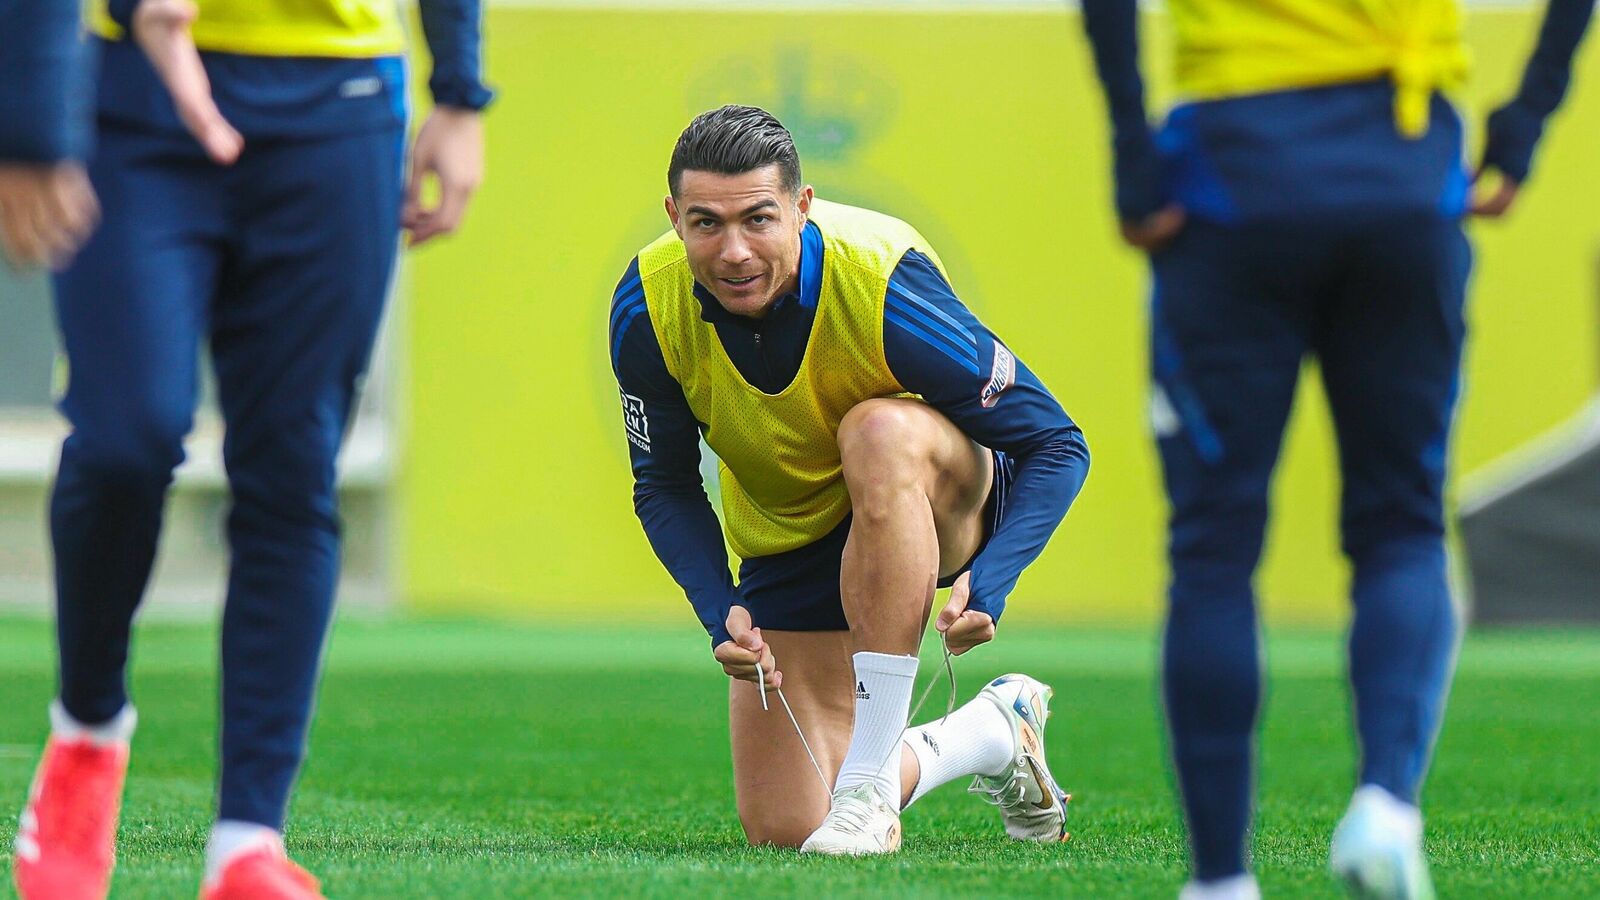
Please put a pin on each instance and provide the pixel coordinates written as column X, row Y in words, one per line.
column 861, row 691
column 928, row 739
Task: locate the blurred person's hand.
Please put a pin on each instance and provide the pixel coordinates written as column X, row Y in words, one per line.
column 963, row 628
column 1156, row 230
column 449, row 149
column 47, row 211
column 1511, row 135
column 1496, row 203
column 161, row 28
column 741, row 656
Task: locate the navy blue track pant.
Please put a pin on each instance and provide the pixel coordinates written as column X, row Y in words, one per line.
column 281, row 263
column 1235, row 311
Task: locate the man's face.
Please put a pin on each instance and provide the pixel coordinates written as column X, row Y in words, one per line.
column 742, row 234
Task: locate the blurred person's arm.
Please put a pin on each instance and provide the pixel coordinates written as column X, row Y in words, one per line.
column 1513, row 131
column 1144, row 206
column 449, row 147
column 663, row 435
column 937, row 348
column 46, row 205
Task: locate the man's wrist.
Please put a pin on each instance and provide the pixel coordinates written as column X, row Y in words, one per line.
column 459, row 95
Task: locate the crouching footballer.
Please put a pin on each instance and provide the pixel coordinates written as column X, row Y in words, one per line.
column 876, row 441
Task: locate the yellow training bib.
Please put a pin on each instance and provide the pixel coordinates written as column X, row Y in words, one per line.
column 782, row 484
column 1230, row 48
column 337, row 28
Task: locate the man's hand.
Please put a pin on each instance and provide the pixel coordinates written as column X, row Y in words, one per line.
column 963, row 628
column 1496, row 203
column 47, row 211
column 449, row 148
column 1155, row 230
column 161, row 28
column 741, row 656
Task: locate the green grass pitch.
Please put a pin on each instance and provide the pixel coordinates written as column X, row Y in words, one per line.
column 464, row 759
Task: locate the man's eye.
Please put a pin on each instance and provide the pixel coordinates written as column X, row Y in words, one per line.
column 760, row 220
column 705, row 224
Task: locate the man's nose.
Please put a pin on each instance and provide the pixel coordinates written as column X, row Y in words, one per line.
column 735, row 250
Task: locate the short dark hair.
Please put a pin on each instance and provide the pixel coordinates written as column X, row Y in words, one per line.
column 733, row 140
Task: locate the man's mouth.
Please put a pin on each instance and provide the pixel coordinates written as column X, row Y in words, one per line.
column 740, row 282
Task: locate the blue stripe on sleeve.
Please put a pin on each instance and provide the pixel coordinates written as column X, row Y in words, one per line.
column 923, row 306
column 622, row 329
column 891, row 313
column 622, row 306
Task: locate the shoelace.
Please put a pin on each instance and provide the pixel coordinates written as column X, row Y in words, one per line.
column 950, row 706
column 1008, row 796
column 851, row 816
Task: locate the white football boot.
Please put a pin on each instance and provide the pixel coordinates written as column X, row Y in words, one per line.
column 1033, row 806
column 1239, row 887
column 859, row 823
column 1377, row 848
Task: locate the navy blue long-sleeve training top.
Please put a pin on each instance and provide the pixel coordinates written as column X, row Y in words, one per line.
column 44, row 88
column 1024, row 421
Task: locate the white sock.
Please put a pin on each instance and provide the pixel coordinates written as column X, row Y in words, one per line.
column 883, row 702
column 231, row 837
column 117, row 730
column 974, row 740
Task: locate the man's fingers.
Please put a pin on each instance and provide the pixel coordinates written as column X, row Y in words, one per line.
column 970, row 630
column 161, row 28
column 739, row 628
column 72, row 201
column 1155, row 230
column 18, row 238
column 955, row 607
column 445, row 217
column 191, row 93
column 1497, row 203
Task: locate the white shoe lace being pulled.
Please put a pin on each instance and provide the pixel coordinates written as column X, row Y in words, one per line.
column 859, row 823
column 1032, row 805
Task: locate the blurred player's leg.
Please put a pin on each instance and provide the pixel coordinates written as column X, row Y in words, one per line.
column 131, row 310
column 1391, row 352
column 293, row 331
column 1228, row 335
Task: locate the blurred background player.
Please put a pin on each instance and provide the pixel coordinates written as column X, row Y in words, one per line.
column 1305, row 197
column 257, row 207
column 788, row 331
column 46, row 205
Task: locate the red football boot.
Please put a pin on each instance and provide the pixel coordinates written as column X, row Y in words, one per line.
column 66, row 843
column 262, row 873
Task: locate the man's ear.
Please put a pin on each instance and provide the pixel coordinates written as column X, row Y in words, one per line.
column 672, row 214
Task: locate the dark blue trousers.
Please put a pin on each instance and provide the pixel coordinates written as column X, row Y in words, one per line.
column 1235, row 311
column 281, row 263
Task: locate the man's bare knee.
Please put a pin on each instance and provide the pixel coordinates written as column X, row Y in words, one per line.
column 884, row 448
column 883, row 431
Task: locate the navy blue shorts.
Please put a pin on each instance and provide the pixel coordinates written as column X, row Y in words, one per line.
column 799, row 590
